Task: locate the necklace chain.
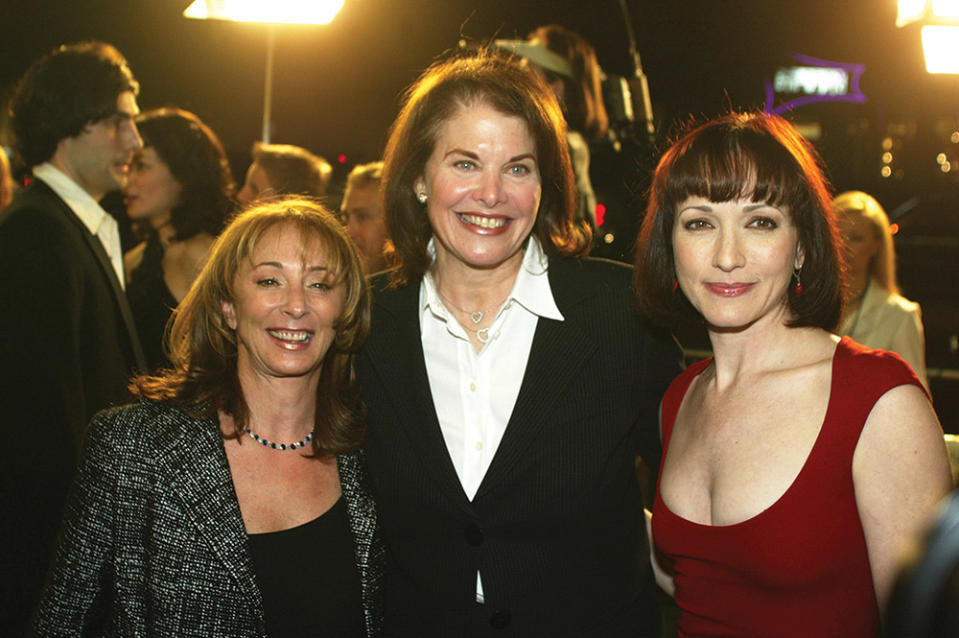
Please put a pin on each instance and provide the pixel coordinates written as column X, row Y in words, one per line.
column 476, row 316
column 278, row 446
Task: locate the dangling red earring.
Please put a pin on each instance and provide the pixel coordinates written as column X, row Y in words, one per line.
column 675, row 285
column 798, row 287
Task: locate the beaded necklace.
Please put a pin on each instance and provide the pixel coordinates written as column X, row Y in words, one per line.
column 278, row 446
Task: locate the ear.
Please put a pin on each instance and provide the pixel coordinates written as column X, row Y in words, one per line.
column 229, row 314
column 800, row 257
column 419, row 186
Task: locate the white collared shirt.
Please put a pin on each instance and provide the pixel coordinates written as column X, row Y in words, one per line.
column 474, row 393
column 88, row 211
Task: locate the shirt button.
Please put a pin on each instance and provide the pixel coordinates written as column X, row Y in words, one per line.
column 472, row 387
column 478, row 446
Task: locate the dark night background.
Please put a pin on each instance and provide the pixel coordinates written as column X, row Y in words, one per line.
column 336, row 90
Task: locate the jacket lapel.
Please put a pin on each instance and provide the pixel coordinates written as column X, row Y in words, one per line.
column 556, row 357
column 200, row 477
column 106, row 266
column 397, row 349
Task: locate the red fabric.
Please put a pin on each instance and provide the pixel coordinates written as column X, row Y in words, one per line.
column 799, row 568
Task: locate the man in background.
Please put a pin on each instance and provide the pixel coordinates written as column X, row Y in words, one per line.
column 67, row 341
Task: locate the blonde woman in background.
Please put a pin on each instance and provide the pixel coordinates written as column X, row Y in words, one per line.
column 875, row 314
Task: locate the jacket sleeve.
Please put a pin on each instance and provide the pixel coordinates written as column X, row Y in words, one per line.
column 81, row 586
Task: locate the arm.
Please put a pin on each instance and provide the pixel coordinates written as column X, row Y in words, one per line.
column 900, row 472
column 79, row 589
column 663, row 578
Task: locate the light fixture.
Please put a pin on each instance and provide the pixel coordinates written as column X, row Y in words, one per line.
column 271, row 12
column 940, row 31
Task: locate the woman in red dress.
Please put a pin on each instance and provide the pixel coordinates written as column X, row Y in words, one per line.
column 795, row 463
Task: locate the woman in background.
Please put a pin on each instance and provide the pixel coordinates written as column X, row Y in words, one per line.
column 180, row 193
column 796, row 463
column 875, row 314
column 231, row 500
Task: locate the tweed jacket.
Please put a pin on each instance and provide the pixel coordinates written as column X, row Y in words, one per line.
column 67, row 349
column 153, row 543
column 556, row 527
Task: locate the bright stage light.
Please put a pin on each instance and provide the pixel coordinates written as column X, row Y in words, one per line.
column 940, row 45
column 272, row 11
column 945, row 8
column 910, row 11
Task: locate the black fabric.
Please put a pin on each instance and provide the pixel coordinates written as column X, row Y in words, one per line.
column 67, row 349
column 308, row 578
column 556, row 527
column 151, row 302
column 153, row 542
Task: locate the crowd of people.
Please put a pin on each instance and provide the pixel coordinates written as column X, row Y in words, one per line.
column 419, row 412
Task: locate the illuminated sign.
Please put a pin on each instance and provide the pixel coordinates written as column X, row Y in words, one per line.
column 813, row 80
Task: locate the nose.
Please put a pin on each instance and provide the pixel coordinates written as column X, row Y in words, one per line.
column 489, row 190
column 295, row 302
column 728, row 255
column 136, row 142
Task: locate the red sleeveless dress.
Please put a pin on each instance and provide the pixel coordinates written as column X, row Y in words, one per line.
column 799, row 568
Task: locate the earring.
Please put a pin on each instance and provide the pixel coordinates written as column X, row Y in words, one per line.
column 421, row 196
column 798, row 286
column 675, row 285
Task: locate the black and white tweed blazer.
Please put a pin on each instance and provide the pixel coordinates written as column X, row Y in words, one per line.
column 153, row 543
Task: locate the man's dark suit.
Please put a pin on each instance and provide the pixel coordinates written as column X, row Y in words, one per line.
column 556, row 527
column 68, row 348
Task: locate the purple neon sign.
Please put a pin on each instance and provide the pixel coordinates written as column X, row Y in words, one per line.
column 854, row 93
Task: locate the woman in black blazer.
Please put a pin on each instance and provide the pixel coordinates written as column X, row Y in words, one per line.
column 509, row 383
column 231, row 501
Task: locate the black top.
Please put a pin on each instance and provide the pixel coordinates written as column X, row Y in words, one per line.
column 151, row 301
column 308, row 578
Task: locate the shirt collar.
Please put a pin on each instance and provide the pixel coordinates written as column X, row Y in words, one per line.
column 530, row 290
column 83, row 206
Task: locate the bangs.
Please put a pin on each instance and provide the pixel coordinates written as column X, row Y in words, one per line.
column 721, row 165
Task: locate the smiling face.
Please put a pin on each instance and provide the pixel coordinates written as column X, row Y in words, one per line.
column 151, row 191
column 286, row 304
column 734, row 260
column 98, row 158
column 483, row 187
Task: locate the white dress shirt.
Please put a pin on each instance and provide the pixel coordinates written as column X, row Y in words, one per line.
column 88, row 211
column 474, row 392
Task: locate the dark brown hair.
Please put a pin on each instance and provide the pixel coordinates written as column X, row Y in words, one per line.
column 583, row 99
column 756, row 156
column 195, row 157
column 203, row 348
column 460, row 81
column 64, row 91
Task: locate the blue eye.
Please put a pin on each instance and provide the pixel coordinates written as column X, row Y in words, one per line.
column 519, row 169
column 466, row 165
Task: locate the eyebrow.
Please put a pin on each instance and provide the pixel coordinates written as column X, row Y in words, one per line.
column 472, row 155
column 278, row 265
column 746, row 209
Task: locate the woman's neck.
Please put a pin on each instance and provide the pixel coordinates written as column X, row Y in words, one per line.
column 280, row 409
column 475, row 288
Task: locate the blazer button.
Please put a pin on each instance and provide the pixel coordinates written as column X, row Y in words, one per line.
column 500, row 619
column 474, row 536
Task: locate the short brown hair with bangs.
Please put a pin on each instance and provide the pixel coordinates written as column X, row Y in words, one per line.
column 462, row 80
column 760, row 157
column 203, row 348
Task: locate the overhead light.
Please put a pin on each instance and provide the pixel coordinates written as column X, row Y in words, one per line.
column 273, row 11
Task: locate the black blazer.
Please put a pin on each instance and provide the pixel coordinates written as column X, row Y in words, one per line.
column 67, row 349
column 556, row 527
column 153, row 541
